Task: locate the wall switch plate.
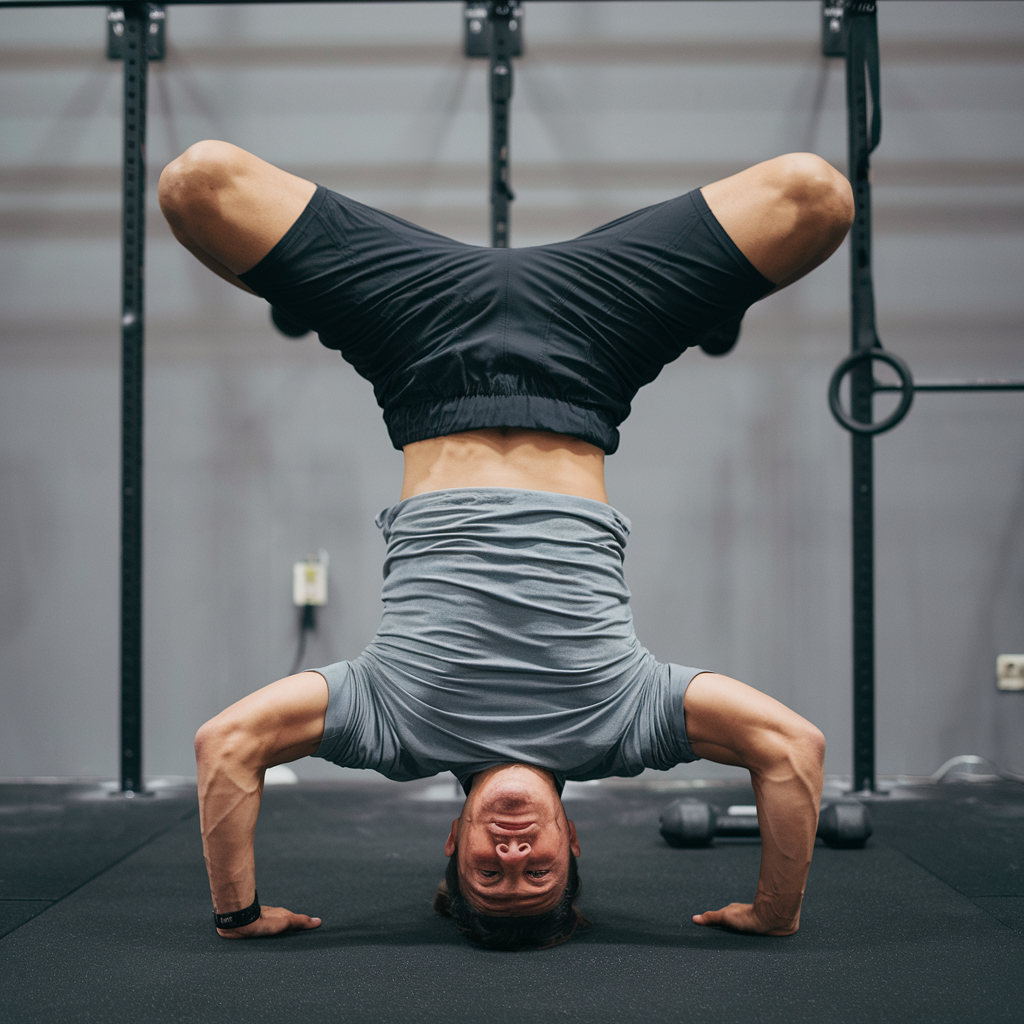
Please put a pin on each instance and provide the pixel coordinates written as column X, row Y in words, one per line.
column 1010, row 672
column 309, row 583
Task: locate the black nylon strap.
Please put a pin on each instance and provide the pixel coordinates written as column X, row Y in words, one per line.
column 239, row 918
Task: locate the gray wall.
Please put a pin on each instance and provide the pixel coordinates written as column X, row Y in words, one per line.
column 735, row 477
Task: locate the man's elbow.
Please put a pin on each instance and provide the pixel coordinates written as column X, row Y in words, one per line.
column 795, row 749
column 223, row 742
column 806, row 760
column 812, row 744
column 208, row 743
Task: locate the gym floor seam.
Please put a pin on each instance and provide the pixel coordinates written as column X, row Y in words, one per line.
column 107, row 866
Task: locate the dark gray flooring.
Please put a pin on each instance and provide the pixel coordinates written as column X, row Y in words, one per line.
column 922, row 925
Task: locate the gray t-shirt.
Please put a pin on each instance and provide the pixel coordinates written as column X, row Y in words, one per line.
column 506, row 637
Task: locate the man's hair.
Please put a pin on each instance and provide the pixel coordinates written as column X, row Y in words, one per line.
column 537, row 931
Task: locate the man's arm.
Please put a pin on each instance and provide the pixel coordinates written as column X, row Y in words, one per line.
column 280, row 723
column 731, row 723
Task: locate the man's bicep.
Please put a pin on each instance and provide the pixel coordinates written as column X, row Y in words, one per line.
column 732, row 723
column 285, row 720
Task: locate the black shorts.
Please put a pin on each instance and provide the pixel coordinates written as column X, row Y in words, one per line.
column 556, row 337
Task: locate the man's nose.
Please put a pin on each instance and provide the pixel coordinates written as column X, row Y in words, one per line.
column 514, row 850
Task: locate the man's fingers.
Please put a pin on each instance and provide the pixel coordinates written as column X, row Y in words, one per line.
column 742, row 917
column 715, row 918
column 272, row 921
column 735, row 916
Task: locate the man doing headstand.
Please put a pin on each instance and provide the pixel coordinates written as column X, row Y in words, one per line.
column 506, row 651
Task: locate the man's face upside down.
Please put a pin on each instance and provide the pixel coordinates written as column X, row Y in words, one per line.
column 513, row 841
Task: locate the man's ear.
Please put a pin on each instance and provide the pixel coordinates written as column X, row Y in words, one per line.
column 574, row 843
column 453, row 838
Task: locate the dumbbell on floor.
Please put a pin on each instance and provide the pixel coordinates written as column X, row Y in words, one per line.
column 689, row 823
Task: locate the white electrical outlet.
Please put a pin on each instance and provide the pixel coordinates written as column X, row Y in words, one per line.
column 1010, row 672
column 309, row 581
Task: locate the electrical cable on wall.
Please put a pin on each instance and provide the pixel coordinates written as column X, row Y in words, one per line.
column 959, row 768
column 309, row 592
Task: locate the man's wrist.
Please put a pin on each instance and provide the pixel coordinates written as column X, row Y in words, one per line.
column 239, row 918
column 778, row 908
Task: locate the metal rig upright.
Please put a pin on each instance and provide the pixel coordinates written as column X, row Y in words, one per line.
column 500, row 13
column 135, row 46
column 850, row 28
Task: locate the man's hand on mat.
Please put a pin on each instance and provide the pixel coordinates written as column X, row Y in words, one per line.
column 750, row 918
column 272, row 921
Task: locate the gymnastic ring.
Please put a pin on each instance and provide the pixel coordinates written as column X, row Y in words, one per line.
column 851, row 362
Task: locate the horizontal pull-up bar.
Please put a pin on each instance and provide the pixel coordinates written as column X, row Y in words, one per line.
column 198, row 3
column 228, row 3
column 966, row 385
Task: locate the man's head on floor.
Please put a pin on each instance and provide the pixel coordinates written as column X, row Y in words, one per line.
column 512, row 880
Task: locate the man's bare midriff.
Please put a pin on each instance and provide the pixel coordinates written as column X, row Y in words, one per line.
column 533, row 460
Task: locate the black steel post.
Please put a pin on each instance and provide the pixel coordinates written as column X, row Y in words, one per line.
column 133, row 226
column 862, row 68
column 500, row 13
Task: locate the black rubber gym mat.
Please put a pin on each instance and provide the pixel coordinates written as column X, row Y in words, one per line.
column 882, row 938
column 54, row 837
column 1007, row 909
column 970, row 834
column 14, row 913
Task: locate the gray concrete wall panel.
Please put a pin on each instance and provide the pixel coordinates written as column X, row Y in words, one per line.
column 260, row 450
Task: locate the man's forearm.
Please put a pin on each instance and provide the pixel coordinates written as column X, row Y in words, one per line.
column 735, row 724
column 229, row 804
column 788, row 795
column 279, row 723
